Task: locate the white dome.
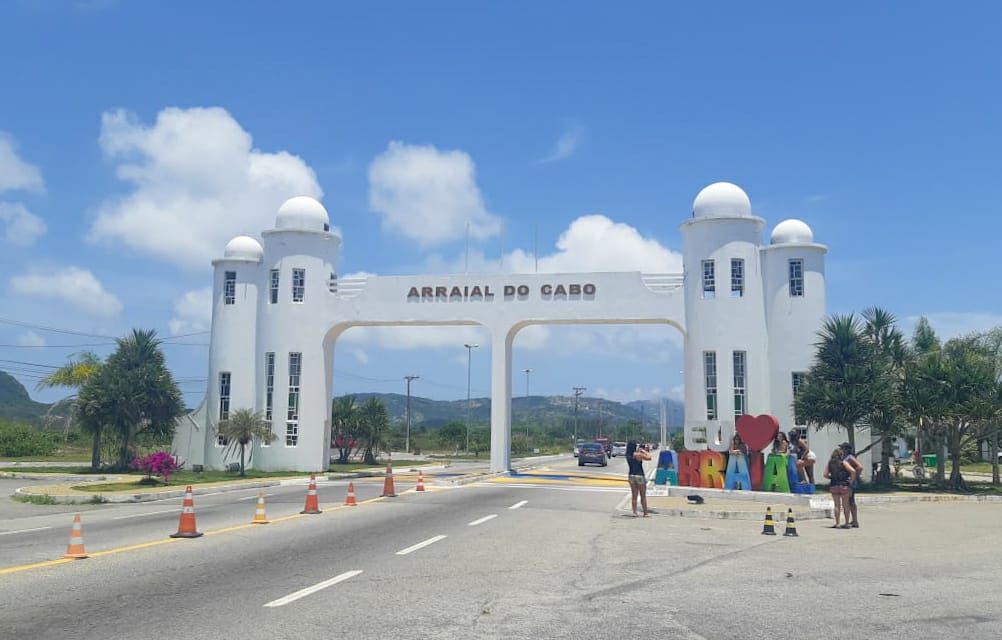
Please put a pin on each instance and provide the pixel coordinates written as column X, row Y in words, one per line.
column 792, row 231
column 303, row 213
column 245, row 248
column 721, row 200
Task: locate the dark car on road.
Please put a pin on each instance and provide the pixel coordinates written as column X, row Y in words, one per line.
column 592, row 452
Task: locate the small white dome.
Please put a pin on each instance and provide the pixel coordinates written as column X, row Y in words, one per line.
column 303, row 213
column 244, row 248
column 721, row 200
column 792, row 231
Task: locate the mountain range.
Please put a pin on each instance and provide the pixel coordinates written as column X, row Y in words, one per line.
column 546, row 411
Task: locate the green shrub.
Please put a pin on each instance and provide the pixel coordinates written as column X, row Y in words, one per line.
column 18, row 441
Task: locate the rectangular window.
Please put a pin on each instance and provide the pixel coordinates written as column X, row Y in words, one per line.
column 710, row 383
column 298, row 285
column 224, row 403
column 269, row 384
column 273, row 297
column 292, row 417
column 229, row 287
column 796, row 277
column 737, row 278
column 709, row 280
column 798, row 380
column 740, row 380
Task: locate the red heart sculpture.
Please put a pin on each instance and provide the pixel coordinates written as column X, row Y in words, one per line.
column 758, row 432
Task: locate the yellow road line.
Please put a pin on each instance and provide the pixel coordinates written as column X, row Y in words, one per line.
column 156, row 543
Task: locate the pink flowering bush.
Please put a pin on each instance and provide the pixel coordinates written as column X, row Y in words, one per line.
column 159, row 463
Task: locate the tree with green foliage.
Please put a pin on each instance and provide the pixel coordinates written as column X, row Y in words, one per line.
column 847, row 381
column 133, row 393
column 20, row 440
column 887, row 418
column 241, row 429
column 954, row 391
column 75, row 374
column 344, row 427
column 992, row 341
column 373, row 422
column 452, row 435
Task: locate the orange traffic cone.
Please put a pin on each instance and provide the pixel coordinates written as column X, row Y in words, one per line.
column 350, row 502
column 420, row 481
column 388, row 491
column 312, row 502
column 186, row 526
column 75, row 549
column 259, row 517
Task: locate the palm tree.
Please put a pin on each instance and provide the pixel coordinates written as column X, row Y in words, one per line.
column 241, row 429
column 344, row 426
column 886, row 417
column 132, row 393
column 373, row 423
column 846, row 380
column 76, row 373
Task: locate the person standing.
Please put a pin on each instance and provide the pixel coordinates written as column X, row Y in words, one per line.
column 635, row 457
column 850, row 458
column 840, row 475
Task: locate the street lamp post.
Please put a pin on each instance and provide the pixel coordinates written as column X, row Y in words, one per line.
column 469, row 361
column 577, row 394
column 407, row 443
column 527, row 372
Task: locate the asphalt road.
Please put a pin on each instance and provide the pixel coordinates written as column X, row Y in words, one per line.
column 496, row 560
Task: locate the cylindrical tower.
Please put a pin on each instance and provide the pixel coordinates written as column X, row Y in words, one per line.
column 299, row 274
column 726, row 368
column 231, row 383
column 793, row 269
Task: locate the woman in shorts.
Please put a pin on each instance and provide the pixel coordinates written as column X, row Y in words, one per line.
column 635, row 457
column 840, row 475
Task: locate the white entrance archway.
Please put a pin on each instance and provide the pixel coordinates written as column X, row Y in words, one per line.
column 747, row 312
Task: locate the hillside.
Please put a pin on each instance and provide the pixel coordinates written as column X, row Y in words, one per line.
column 16, row 404
column 538, row 410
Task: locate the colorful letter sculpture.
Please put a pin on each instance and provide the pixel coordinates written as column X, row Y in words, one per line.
column 667, row 469
column 737, row 473
column 775, row 477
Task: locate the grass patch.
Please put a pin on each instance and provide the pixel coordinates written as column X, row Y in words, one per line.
column 36, row 499
column 58, row 458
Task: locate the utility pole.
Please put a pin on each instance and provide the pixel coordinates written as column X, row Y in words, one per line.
column 577, row 394
column 527, row 372
column 470, row 346
column 407, row 443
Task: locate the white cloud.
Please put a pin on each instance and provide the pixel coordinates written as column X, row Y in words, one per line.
column 15, row 173
column 196, row 182
column 72, row 285
column 360, row 356
column 192, row 312
column 596, row 243
column 428, row 195
column 951, row 324
column 23, row 227
column 590, row 243
column 566, row 145
column 30, row 339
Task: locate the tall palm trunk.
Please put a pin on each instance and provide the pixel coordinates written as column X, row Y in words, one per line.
column 95, row 452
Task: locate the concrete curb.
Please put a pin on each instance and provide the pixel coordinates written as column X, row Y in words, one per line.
column 123, row 497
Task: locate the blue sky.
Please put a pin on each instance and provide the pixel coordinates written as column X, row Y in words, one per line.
column 137, row 138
